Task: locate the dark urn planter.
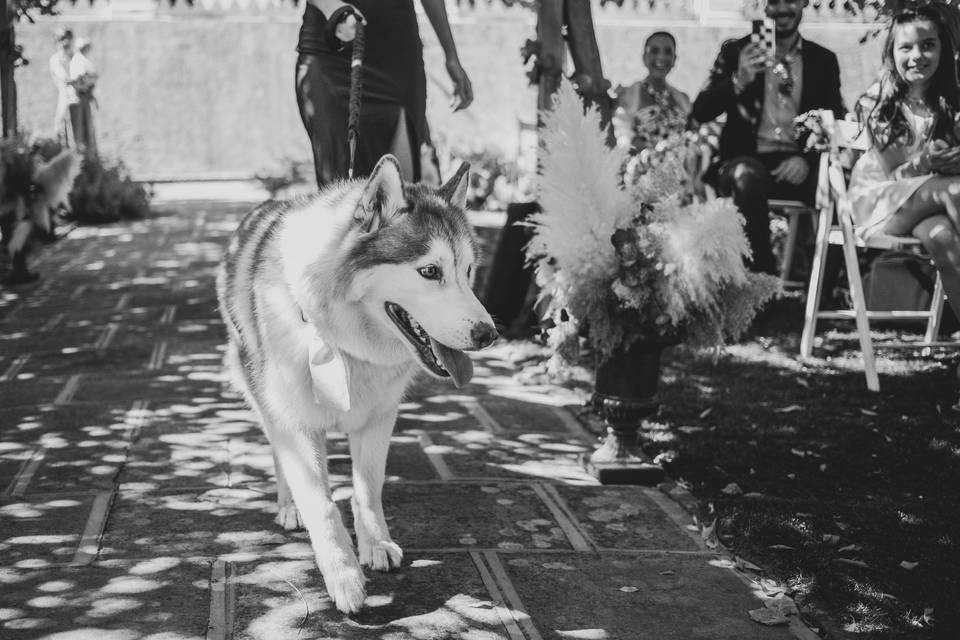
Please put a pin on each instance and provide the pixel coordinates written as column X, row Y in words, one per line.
column 625, row 393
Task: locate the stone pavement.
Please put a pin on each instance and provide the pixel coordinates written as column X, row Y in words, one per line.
column 138, row 496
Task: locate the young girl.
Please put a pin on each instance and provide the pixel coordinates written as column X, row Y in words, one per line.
column 908, row 183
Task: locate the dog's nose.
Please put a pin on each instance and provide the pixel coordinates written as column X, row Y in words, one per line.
column 483, row 335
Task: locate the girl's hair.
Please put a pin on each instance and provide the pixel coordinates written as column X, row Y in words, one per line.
column 665, row 34
column 885, row 119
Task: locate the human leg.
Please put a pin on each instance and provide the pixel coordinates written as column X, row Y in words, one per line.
column 747, row 181
column 941, row 238
column 318, row 109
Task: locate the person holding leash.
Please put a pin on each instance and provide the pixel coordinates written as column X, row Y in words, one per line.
column 761, row 94
column 394, row 88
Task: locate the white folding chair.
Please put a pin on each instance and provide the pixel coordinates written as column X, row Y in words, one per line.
column 848, row 135
column 792, row 210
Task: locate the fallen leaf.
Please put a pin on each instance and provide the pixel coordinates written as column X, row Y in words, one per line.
column 823, row 467
column 732, row 489
column 768, row 617
column 856, row 563
column 868, row 412
column 705, row 413
column 792, row 476
column 519, row 562
column 468, row 540
column 511, row 546
column 563, row 566
column 783, row 604
column 754, row 494
column 789, row 409
column 831, row 538
column 746, row 564
column 490, row 489
column 850, row 547
column 781, row 546
column 770, row 588
column 629, row 589
column 484, row 605
column 504, row 501
column 709, row 534
column 688, row 429
column 668, row 572
column 928, row 616
column 803, row 383
column 797, row 452
column 906, row 564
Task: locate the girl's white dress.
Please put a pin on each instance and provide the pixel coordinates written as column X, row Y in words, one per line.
column 876, row 195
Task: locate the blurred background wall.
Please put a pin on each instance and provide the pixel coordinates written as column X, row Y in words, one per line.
column 206, row 92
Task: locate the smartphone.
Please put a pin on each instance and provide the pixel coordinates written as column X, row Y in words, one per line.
column 762, row 33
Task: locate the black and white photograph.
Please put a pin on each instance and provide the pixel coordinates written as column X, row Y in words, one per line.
column 480, row 320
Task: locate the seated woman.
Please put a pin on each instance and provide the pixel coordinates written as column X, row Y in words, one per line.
column 651, row 109
column 908, row 183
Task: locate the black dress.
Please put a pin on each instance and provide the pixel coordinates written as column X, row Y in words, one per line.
column 394, row 88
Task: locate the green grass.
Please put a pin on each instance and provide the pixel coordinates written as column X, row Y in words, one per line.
column 822, row 464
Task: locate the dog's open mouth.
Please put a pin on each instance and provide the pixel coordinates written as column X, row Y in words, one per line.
column 438, row 359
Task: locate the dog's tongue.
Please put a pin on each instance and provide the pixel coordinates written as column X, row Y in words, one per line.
column 456, row 362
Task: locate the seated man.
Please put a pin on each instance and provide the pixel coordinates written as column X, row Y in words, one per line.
column 758, row 156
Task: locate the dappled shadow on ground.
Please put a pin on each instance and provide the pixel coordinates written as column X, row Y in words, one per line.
column 850, row 495
column 431, row 596
column 121, row 599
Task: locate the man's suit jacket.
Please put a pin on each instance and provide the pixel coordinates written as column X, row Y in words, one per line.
column 820, row 89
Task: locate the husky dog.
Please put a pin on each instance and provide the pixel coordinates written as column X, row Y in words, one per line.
column 332, row 303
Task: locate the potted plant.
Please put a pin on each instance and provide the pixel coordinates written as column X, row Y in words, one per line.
column 627, row 257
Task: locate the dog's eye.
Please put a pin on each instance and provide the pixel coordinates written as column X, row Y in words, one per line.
column 430, row 272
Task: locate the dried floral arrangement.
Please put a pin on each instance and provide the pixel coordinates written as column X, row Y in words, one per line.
column 627, row 257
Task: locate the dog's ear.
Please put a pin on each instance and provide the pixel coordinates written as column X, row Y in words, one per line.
column 455, row 189
column 382, row 195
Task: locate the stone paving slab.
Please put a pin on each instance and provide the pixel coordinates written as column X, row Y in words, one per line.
column 478, row 453
column 31, row 392
column 87, row 360
column 121, row 388
column 431, row 597
column 161, row 598
column 59, row 340
column 624, row 518
column 38, row 532
column 635, row 597
column 465, row 515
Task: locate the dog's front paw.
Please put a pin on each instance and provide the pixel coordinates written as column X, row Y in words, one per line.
column 381, row 555
column 346, row 589
column 288, row 517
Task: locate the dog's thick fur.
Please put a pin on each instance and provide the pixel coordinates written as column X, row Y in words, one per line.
column 332, row 304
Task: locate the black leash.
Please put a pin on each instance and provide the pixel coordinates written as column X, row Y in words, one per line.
column 356, row 89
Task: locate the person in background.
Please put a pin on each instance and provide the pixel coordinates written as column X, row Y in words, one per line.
column 393, row 103
column 64, row 119
column 650, row 109
column 83, row 75
column 758, row 156
column 908, row 182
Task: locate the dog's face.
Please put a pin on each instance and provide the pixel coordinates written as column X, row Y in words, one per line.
column 412, row 269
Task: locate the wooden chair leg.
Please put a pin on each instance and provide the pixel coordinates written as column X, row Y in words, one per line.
column 936, row 316
column 860, row 309
column 790, row 246
column 814, row 291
